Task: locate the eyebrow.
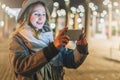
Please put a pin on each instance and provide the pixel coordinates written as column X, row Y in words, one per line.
column 37, row 11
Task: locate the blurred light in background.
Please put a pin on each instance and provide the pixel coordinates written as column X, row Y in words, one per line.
column 56, row 4
column 2, row 23
column 115, row 4
column 52, row 25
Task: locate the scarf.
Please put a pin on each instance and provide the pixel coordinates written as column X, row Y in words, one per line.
column 36, row 44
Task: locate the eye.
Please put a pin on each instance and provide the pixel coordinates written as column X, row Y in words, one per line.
column 36, row 14
column 44, row 14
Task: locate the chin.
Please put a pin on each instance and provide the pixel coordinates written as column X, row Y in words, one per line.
column 40, row 27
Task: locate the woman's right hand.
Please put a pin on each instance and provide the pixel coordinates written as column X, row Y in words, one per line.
column 61, row 39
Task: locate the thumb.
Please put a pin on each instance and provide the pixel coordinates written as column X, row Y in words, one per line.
column 63, row 30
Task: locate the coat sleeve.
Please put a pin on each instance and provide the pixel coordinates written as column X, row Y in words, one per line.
column 25, row 63
column 73, row 58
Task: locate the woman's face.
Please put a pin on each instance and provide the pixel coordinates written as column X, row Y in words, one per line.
column 38, row 16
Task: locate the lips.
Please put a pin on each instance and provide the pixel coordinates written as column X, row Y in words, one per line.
column 39, row 23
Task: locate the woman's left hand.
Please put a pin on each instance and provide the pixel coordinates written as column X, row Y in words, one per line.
column 82, row 41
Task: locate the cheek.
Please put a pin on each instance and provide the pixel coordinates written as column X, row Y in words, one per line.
column 45, row 19
column 32, row 19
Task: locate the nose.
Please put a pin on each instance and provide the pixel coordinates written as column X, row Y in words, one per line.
column 40, row 17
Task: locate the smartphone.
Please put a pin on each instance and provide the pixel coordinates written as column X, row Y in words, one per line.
column 73, row 34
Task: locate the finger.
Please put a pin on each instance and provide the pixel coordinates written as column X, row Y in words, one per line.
column 84, row 41
column 65, row 37
column 65, row 42
column 78, row 43
column 81, row 36
column 83, row 29
column 63, row 30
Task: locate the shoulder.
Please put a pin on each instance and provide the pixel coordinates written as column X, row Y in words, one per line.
column 17, row 39
column 14, row 43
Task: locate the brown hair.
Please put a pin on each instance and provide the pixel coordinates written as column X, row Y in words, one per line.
column 26, row 15
column 24, row 20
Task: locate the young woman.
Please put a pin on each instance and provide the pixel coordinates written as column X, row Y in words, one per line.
column 34, row 54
